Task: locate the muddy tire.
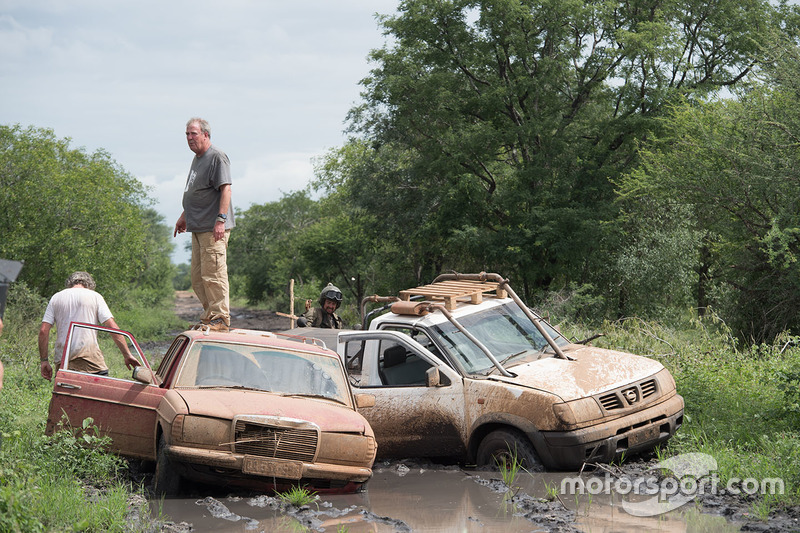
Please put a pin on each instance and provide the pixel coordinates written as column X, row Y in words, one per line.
column 511, row 445
column 166, row 482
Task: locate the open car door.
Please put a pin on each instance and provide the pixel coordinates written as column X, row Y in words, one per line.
column 121, row 407
column 410, row 417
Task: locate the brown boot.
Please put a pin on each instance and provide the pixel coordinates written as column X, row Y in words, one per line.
column 216, row 325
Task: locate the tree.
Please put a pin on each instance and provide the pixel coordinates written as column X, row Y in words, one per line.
column 733, row 165
column 394, row 223
column 63, row 209
column 154, row 283
column 263, row 251
column 513, row 118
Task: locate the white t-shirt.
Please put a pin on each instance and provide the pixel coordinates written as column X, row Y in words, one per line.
column 76, row 304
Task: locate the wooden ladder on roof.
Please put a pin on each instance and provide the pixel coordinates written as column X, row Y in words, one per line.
column 452, row 291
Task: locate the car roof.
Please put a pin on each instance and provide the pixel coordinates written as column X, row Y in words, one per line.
column 263, row 338
column 462, row 308
column 327, row 336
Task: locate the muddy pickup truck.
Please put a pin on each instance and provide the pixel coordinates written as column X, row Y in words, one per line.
column 463, row 369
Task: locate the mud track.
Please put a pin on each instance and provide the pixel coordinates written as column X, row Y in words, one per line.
column 188, row 308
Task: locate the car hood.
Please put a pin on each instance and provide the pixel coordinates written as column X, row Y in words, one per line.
column 226, row 404
column 593, row 370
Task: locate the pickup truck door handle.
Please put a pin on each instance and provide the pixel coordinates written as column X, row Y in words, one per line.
column 68, row 385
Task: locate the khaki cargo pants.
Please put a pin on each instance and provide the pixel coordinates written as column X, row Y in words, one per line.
column 209, row 274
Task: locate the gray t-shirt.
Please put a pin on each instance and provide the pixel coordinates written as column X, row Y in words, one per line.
column 201, row 195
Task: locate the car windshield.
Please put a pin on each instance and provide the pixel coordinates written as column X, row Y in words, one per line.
column 505, row 330
column 219, row 364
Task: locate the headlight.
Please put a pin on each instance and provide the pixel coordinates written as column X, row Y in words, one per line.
column 201, row 431
column 346, row 449
column 577, row 411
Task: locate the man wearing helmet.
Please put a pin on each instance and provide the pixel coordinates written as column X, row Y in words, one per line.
column 325, row 315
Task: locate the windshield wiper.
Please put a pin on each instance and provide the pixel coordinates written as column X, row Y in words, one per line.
column 310, row 395
column 504, row 361
column 590, row 339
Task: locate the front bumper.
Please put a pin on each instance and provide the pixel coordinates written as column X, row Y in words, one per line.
column 602, row 443
column 268, row 467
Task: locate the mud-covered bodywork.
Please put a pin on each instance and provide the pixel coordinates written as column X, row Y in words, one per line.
column 242, row 408
column 469, row 371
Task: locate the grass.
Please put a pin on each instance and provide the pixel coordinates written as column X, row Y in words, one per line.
column 510, row 466
column 552, row 491
column 298, row 496
column 66, row 482
column 63, row 482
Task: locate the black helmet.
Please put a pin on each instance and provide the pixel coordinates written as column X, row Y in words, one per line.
column 331, row 292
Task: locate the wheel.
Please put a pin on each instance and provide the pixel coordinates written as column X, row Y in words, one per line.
column 166, row 482
column 509, row 445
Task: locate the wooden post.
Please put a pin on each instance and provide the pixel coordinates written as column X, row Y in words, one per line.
column 291, row 300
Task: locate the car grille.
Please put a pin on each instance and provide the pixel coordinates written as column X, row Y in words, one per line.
column 297, row 444
column 628, row 395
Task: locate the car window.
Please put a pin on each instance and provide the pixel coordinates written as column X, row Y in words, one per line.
column 401, row 367
column 172, row 353
column 90, row 349
column 219, row 364
column 354, row 356
column 422, row 338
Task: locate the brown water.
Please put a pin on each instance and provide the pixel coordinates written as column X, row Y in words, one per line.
column 439, row 500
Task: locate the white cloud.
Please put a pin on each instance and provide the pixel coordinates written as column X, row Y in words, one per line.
column 275, row 79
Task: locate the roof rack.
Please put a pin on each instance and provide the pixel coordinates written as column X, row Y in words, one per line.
column 451, row 292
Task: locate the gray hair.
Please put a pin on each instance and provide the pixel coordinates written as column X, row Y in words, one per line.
column 205, row 127
column 82, row 278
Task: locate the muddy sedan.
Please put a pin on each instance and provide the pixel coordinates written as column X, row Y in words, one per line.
column 243, row 409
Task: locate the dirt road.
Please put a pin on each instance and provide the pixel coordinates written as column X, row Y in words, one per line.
column 188, row 307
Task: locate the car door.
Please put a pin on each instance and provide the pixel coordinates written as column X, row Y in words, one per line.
column 123, row 409
column 409, row 418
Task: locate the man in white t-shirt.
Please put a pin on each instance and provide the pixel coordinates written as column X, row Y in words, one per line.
column 79, row 303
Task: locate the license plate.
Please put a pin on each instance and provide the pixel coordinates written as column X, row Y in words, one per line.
column 260, row 466
column 644, row 435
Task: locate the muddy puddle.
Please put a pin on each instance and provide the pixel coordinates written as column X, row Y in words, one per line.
column 398, row 498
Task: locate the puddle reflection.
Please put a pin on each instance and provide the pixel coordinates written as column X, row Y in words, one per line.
column 437, row 501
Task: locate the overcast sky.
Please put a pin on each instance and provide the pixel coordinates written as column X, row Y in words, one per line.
column 275, row 78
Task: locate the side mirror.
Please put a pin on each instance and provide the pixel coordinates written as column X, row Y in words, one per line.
column 365, row 400
column 432, row 378
column 144, row 375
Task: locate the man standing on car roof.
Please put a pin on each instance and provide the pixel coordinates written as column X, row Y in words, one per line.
column 208, row 215
column 325, row 315
column 79, row 302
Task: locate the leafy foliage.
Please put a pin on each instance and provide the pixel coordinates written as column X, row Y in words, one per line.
column 507, row 121
column 65, row 210
column 263, row 247
column 731, row 166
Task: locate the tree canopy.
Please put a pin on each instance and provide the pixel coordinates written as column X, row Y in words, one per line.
column 638, row 153
column 513, row 118
column 63, row 209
